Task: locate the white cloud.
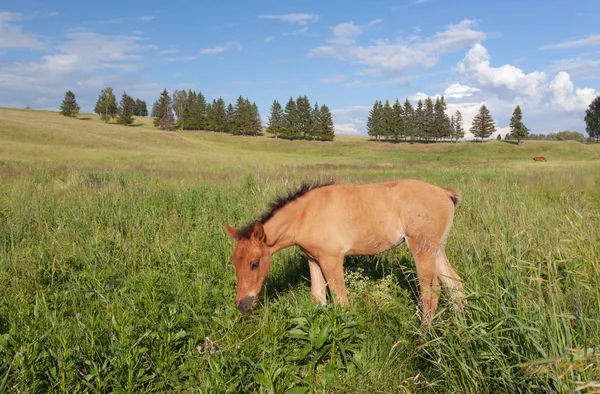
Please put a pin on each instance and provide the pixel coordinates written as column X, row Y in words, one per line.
column 220, row 48
column 350, row 120
column 296, row 19
column 578, row 68
column 346, row 33
column 394, row 59
column 337, row 78
column 506, row 80
column 346, row 128
column 85, row 62
column 591, row 40
column 512, row 84
column 456, row 90
column 270, row 39
column 147, row 18
column 12, row 35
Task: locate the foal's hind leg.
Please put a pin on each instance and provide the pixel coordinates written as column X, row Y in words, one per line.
column 450, row 279
column 425, row 255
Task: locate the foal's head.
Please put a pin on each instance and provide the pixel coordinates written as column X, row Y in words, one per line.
column 252, row 261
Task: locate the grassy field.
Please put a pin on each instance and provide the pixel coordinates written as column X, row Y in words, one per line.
column 115, row 272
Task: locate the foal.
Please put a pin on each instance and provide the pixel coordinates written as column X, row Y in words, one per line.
column 331, row 221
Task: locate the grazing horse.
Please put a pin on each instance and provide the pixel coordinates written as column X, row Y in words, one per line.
column 539, row 158
column 330, row 221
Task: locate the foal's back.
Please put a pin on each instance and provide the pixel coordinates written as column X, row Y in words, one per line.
column 372, row 218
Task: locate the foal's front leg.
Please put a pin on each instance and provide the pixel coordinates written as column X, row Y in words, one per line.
column 317, row 282
column 333, row 269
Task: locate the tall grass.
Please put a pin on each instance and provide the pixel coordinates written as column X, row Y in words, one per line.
column 121, row 282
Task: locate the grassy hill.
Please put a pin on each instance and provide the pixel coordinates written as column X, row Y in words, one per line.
column 116, row 274
column 30, row 137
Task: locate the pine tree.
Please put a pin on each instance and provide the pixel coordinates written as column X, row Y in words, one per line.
column 303, row 117
column 220, row 115
column 483, row 124
column 459, row 131
column 69, row 106
column 290, row 115
column 161, row 108
column 325, row 127
column 592, row 119
column 409, row 120
column 210, row 118
column 256, row 121
column 398, row 128
column 420, row 121
column 429, row 120
column 375, row 121
column 106, row 105
column 230, row 115
column 140, row 108
column 199, row 111
column 276, row 119
column 443, row 126
column 517, row 128
column 387, row 126
column 125, row 110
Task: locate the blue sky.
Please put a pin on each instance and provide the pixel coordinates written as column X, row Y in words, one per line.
column 542, row 55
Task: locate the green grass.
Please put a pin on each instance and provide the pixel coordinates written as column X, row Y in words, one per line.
column 115, row 271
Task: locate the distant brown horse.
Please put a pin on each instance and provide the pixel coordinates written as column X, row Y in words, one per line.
column 539, row 158
column 331, row 221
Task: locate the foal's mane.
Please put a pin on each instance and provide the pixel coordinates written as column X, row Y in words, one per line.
column 281, row 202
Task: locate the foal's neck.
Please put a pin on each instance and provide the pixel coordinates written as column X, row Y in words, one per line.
column 280, row 229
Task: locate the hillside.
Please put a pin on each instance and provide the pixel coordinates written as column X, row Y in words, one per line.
column 28, row 138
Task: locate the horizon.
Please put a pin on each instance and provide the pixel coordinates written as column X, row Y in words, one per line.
column 345, row 57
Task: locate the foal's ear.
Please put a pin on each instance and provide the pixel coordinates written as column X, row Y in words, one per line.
column 258, row 231
column 232, row 232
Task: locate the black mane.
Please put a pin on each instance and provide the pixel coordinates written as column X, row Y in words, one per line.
column 279, row 203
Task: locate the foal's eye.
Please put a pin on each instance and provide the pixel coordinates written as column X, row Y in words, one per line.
column 254, row 266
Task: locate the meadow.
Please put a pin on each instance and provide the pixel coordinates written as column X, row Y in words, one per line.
column 115, row 271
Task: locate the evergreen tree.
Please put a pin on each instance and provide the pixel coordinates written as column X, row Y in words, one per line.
column 324, row 124
column 303, row 117
column 429, row 131
column 125, row 111
column 198, row 108
column 420, row 121
column 459, row 131
column 69, row 105
column 375, row 120
column 140, row 108
column 387, row 126
column 230, row 115
column 210, row 118
column 517, row 128
column 499, row 137
column 161, row 108
column 220, row 115
column 106, row 105
column 443, row 127
column 409, row 120
column 256, row 125
column 291, row 122
column 399, row 131
column 592, row 119
column 276, row 123
column 483, row 124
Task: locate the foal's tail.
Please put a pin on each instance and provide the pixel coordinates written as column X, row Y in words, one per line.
column 453, row 194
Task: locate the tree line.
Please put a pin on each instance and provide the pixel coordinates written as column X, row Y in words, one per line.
column 403, row 122
column 301, row 120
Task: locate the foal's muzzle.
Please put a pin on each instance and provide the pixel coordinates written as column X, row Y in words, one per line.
column 245, row 305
